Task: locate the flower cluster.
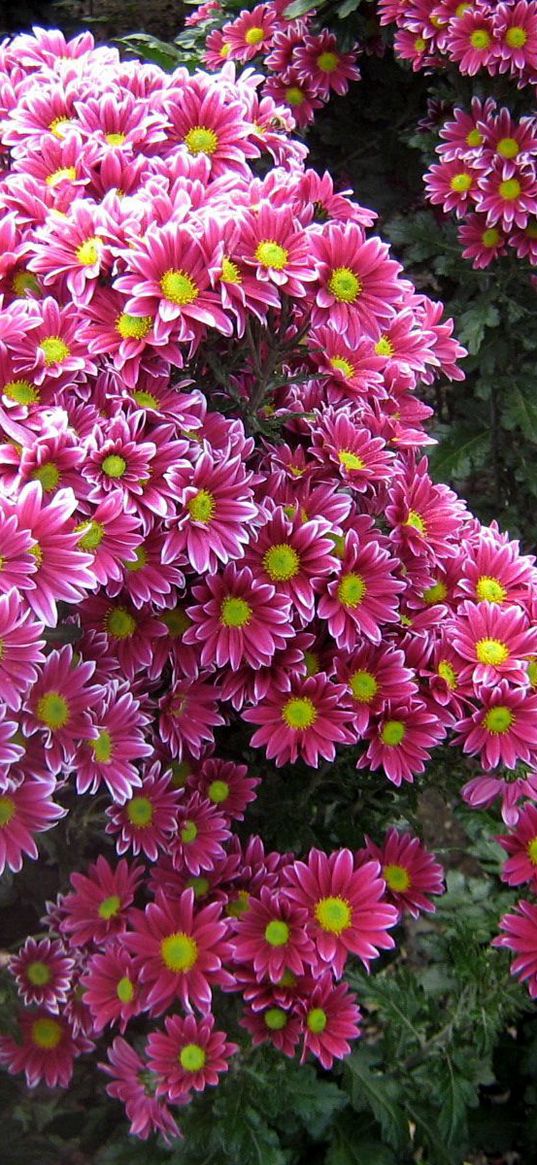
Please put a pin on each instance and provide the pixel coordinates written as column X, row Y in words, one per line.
column 487, row 177
column 475, row 35
column 214, row 507
column 304, row 67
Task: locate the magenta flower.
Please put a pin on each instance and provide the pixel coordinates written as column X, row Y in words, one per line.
column 251, row 32
column 481, row 792
column 471, row 40
column 118, row 741
column 411, row 873
column 520, row 936
column 25, row 809
column 58, row 706
column 42, row 971
column 134, row 1085
column 145, row 822
column 197, row 843
column 226, row 785
column 20, row 649
column 346, row 912
column 308, row 721
column 515, row 42
column 188, row 715
column 494, row 570
column 424, row 517
column 190, row 1055
column 496, row 641
column 110, row 987
column 364, row 594
column 45, row 1051
column 111, row 536
column 341, row 438
column 331, row 1019
column 321, row 62
column 207, row 120
column 374, row 676
column 358, row 282
column 238, row 620
column 271, row 241
column 17, row 563
column 215, row 507
column 131, row 634
column 521, row 845
column 293, row 556
column 98, row 906
column 179, row 951
column 70, row 254
column 271, row 936
column 400, row 741
column 273, row 1024
column 53, row 349
column 503, row 730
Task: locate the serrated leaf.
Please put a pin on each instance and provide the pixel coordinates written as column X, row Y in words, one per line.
column 345, row 1149
column 149, row 48
column 379, row 1094
column 523, row 409
column 459, row 453
column 473, row 323
column 314, row 1100
column 459, row 1094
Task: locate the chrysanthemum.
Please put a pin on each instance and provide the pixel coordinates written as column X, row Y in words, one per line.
column 25, row 809
column 508, row 199
column 494, row 571
column 275, row 1025
column 147, row 819
column 131, row 634
column 298, row 92
column 238, row 619
column 351, row 371
column 515, row 29
column 189, row 714
column 481, row 242
column 196, row 845
column 109, row 757
column 97, row 906
column 207, row 120
column 520, row 935
column 111, row 536
column 346, row 914
column 453, row 185
column 20, row 649
column 45, row 1049
column 481, row 792
column 271, row 936
column 374, row 676
column 215, row 505
column 135, row 1086
column 42, row 971
column 471, row 40
column 58, row 706
column 271, row 241
column 359, row 284
column 292, row 555
column 190, row 1055
column 251, row 32
column 364, row 594
column 53, row 349
column 70, row 253
column 110, row 987
column 495, row 641
column 17, row 563
column 320, row 60
column 341, row 438
column 503, row 730
column 400, row 741
column 411, row 873
column 424, row 517
column 179, row 951
column 306, row 721
column 226, row 785
column 331, row 1018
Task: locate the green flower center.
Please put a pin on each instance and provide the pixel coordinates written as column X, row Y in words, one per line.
column 275, row 1019
column 342, row 365
column 435, row 594
column 22, row 392
column 317, row 1020
column 491, row 651
column 480, row 39
column 125, row 990
column 176, row 621
column 38, row 973
column 230, row 272
column 218, row 792
column 350, row 460
column 235, row 612
column 55, row 350
column 397, row 877
column 294, row 95
column 53, row 710
column 333, row 914
column 448, row 674
column 114, row 139
column 139, row 562
column 416, row 521
column 109, row 907
column 351, row 590
column 46, row 1033
column 327, row 62
column 498, row 720
column 93, row 536
column 281, row 562
column 344, row 285
column 7, row 809
column 299, row 713
column 49, row 476
column 179, row 952
column 490, row 237
column 460, row 183
column 508, row 147
column 270, row 254
column 277, row 933
column 474, row 138
column 178, row 287
column 102, row 747
column 192, row 1057
column 114, row 465
column 189, row 832
column 490, row 590
column 201, row 140
column 516, row 37
column 146, row 400
column 364, row 686
column 202, row 506
column 133, row 327
column 199, row 885
column 510, row 189
column 393, row 733
column 120, row 623
column 384, row 347
column 139, row 811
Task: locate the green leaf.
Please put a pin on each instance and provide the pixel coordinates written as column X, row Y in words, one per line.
column 300, row 7
column 347, row 7
column 464, row 449
column 459, row 1094
column 345, row 1149
column 378, row 1093
column 523, row 409
column 314, row 1100
column 149, row 48
column 473, row 323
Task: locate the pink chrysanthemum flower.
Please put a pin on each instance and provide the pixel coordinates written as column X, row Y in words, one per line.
column 17, row 563
column 342, row 439
column 97, row 907
column 515, row 29
column 275, row 1025
column 53, row 349
column 374, row 676
column 363, row 596
column 319, row 60
column 503, row 730
column 424, row 517
column 508, row 199
column 58, row 706
column 197, row 843
column 471, row 40
column 179, row 951
column 464, row 135
column 130, row 632
column 25, row 809
column 110, row 987
column 331, row 1019
column 453, row 185
column 400, row 742
column 20, row 649
column 45, row 1050
column 359, row 284
column 119, row 741
column 520, row 935
column 411, row 873
column 147, row 819
column 306, row 721
column 293, row 555
column 521, row 845
column 271, row 936
column 109, row 330
column 238, row 620
column 271, row 241
column 481, row 792
column 346, row 914
column 494, row 571
column 215, row 504
column 206, row 120
column 146, row 580
column 495, row 641
column 509, row 140
column 111, row 536
column 191, row 1055
column 70, row 254
column 352, row 371
column 42, row 971
column 134, row 1085
column 481, row 242
column 188, row 715
column 226, row 785
column 298, row 92
column 251, row 32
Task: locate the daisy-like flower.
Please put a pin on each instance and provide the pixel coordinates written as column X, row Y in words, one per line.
column 135, row 1086
column 496, row 641
column 53, row 349
column 503, row 730
column 20, row 649
column 293, row 556
column 411, row 873
column 520, row 936
column 238, row 620
column 340, row 438
column 58, row 706
column 17, row 563
column 345, row 907
column 307, row 721
column 481, row 242
column 110, row 987
column 197, row 843
column 45, row 1049
column 275, row 1025
column 271, row 936
column 25, row 809
column 298, row 92
column 179, row 951
column 70, row 253
column 424, row 517
column 147, row 819
column 494, row 571
column 271, row 242
column 42, row 971
column 119, row 741
column 111, row 536
column 453, row 185
column 359, row 284
column 215, row 505
column 226, row 785
column 190, row 1055
column 188, row 715
column 130, row 633
column 364, row 594
column 400, row 742
column 208, row 121
column 508, row 199
column 481, row 792
column 471, row 40
column 352, row 371
column 521, row 845
column 97, row 906
column 320, row 61
column 374, row 676
column 515, row 29
column 251, row 33
column 331, row 1018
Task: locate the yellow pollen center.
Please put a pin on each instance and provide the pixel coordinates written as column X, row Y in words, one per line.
column 230, row 272
column 491, row 651
column 53, row 710
column 103, row 747
column 58, row 125
column 133, row 327
column 491, row 237
column 22, row 392
column 447, row 673
column 480, row 39
column 344, row 285
column 363, row 686
column 341, row 365
column 351, row 590
column 254, row 35
column 498, row 720
column 54, row 350
column 139, row 811
column 277, row 933
column 145, row 400
column 125, row 990
column 179, row 952
column 46, row 1033
column 384, row 347
column 192, row 1057
column 275, row 1019
column 510, row 189
column 120, row 623
column 218, row 792
column 294, row 95
column 7, row 809
column 64, row 174
column 201, row 140
column 109, row 907
column 327, row 62
column 461, row 182
column 397, row 877
column 38, row 973
column 299, row 713
column 92, row 536
column 139, row 562
column 313, row 663
column 235, row 612
column 333, row 914
column 178, row 287
column 516, row 37
column 392, row 733
column 202, row 506
column 420, row 44
column 24, row 282
column 114, row 465
column 317, row 1020
column 350, row 460
column 281, row 562
column 435, row 594
column 532, row 672
column 89, row 252
column 199, row 885
column 270, row 254
column 474, row 138
column 114, row 139
column 189, row 832
column 508, row 147
column 416, row 521
column 49, row 476
column 240, row 904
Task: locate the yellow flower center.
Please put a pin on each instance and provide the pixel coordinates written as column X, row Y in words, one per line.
column 54, row 349
column 317, row 1020
column 109, row 907
column 37, row 553
column 120, row 623
column 498, row 720
column 435, row 594
column 254, row 35
column 125, row 990
column 201, row 140
column 474, row 138
column 199, row 885
column 139, row 562
column 490, row 590
column 510, row 189
column 275, row 1019
column 333, row 914
column 350, row 460
column 145, row 400
column 532, row 851
column 299, row 713
column 294, row 95
column 416, row 521
column 235, row 612
column 461, row 182
column 277, row 933
column 491, row 651
column 133, row 327
column 22, row 392
column 218, row 792
column 344, row 285
column 58, row 125
column 88, row 253
column 281, row 562
column 49, row 476
column 327, row 62
column 230, row 272
column 102, row 747
column 351, row 590
column 313, row 663
column 532, row 671
column 7, row 809
column 490, row 237
column 114, row 465
column 114, row 139
column 397, row 877
column 342, row 365
column 480, row 39
column 139, row 811
column 240, row 904
column 270, row 254
column 202, row 506
column 508, row 147
column 192, row 1057
column 179, row 951
column 364, row 686
column 53, row 710
column 189, row 832
column 393, row 732
column 25, row 281
column 176, row 621
column 384, row 347
column 46, row 1033
column 38, row 973
column 178, row 287
column 516, row 37
column 93, row 536
column 447, row 673
column 64, row 174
